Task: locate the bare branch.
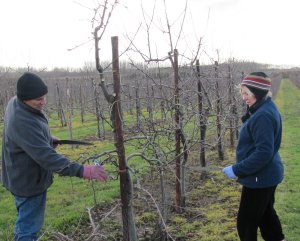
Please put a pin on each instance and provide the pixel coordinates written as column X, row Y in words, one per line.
column 182, row 23
column 91, row 219
column 158, row 211
column 168, row 27
column 148, row 26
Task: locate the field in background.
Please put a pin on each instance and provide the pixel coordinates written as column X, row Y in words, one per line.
column 288, row 194
column 215, row 218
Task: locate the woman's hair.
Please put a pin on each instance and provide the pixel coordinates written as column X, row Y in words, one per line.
column 259, row 94
column 245, row 89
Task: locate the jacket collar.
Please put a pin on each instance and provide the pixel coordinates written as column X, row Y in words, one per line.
column 258, row 104
column 29, row 108
column 251, row 110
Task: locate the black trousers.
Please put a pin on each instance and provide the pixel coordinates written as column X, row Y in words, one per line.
column 257, row 211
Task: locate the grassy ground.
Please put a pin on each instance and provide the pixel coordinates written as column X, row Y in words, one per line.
column 288, row 195
column 212, row 201
column 69, row 197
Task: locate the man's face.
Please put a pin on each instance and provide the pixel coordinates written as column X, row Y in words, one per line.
column 38, row 103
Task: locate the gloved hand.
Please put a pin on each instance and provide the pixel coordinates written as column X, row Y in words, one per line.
column 229, row 172
column 94, row 172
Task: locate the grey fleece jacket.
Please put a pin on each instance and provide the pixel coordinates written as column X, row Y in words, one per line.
column 28, row 158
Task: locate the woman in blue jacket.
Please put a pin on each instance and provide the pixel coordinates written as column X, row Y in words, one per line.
column 258, row 167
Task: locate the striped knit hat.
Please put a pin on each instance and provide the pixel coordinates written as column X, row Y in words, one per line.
column 258, row 80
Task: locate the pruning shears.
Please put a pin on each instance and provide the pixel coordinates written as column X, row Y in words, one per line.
column 71, row 142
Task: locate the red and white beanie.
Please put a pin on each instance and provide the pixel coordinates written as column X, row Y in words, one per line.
column 258, row 80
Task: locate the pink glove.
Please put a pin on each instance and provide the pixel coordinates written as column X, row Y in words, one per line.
column 94, row 172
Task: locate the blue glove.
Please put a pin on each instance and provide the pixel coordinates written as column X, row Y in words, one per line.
column 229, row 172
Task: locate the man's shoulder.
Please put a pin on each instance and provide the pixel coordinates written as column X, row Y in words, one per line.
column 17, row 114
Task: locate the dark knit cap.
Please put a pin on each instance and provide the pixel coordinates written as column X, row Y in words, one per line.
column 257, row 80
column 30, row 86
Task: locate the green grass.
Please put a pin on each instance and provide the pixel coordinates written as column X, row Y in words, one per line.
column 288, row 194
column 68, row 197
column 219, row 215
column 79, row 130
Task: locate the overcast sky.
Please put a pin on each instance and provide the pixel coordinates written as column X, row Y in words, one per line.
column 38, row 33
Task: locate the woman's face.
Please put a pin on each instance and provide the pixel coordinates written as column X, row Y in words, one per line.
column 247, row 96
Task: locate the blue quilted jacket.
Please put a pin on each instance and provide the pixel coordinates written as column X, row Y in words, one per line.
column 258, row 161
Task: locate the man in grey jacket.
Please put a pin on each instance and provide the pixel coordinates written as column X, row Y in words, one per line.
column 29, row 159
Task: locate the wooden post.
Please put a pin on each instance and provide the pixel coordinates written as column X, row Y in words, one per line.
column 126, row 188
column 202, row 117
column 177, row 133
column 219, row 114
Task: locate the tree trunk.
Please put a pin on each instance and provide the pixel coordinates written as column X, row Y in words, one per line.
column 60, row 110
column 82, row 98
column 126, row 187
column 202, row 118
column 69, row 110
column 232, row 110
column 138, row 107
column 97, row 109
column 219, row 114
column 177, row 133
